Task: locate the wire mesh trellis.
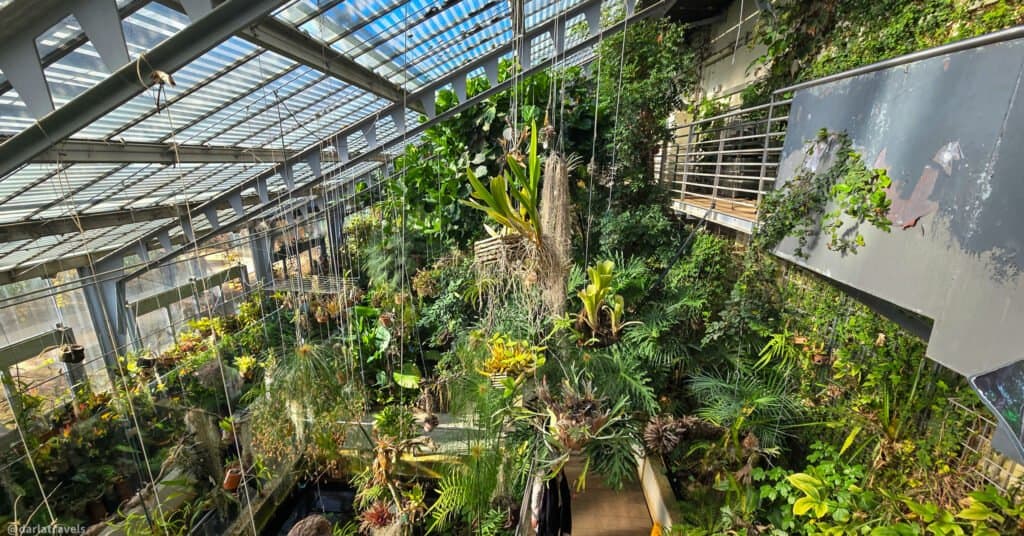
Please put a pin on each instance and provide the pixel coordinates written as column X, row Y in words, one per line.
column 982, row 461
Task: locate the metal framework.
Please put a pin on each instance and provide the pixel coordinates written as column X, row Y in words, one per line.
column 102, row 156
column 368, row 128
column 134, row 126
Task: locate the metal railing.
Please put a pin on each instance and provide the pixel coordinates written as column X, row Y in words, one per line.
column 317, row 284
column 985, row 464
column 720, row 167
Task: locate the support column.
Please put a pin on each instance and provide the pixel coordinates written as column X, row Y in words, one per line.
column 262, row 254
column 336, row 233
column 105, row 299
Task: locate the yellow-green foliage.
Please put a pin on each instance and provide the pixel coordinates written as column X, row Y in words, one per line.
column 512, row 357
column 514, row 196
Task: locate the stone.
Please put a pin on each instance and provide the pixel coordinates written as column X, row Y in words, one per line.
column 314, row 525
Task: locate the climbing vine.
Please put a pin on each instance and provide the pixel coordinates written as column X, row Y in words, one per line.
column 808, row 39
column 797, row 209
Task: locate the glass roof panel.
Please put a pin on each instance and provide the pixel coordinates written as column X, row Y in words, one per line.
column 203, row 183
column 284, row 83
column 342, row 19
column 208, row 66
column 23, row 178
column 75, row 187
column 58, row 35
column 166, row 180
column 81, row 69
column 448, row 56
column 239, row 95
column 279, row 115
column 305, row 119
column 14, row 116
column 429, row 35
column 226, row 91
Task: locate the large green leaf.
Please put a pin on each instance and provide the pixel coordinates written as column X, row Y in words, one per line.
column 806, row 483
column 408, row 377
column 803, row 505
column 979, row 511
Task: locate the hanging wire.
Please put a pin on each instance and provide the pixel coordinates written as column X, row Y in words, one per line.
column 618, row 101
column 28, row 454
column 196, row 292
column 64, row 183
column 592, row 167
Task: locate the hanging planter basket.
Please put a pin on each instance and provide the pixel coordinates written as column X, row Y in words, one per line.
column 497, row 380
column 500, row 251
column 72, row 353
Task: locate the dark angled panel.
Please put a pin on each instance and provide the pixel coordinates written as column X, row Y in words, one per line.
column 950, row 130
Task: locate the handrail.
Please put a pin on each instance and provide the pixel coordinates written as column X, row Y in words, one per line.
column 738, row 111
column 956, row 46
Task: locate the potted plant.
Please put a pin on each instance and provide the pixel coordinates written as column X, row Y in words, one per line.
column 145, row 362
column 600, row 318
column 232, row 476
column 72, row 353
column 510, row 358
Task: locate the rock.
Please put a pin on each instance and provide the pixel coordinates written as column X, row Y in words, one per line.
column 314, row 525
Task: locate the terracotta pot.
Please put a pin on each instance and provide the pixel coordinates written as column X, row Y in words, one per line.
column 232, row 478
column 74, row 353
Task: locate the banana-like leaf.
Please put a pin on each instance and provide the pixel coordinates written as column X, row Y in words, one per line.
column 512, row 197
column 591, row 306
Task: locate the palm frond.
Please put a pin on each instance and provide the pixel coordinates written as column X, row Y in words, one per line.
column 764, row 404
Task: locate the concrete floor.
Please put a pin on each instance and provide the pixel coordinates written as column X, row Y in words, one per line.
column 600, row 511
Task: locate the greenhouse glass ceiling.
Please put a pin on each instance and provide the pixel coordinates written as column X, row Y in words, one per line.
column 293, row 94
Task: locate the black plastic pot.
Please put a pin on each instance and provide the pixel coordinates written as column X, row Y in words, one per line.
column 95, row 511
column 146, row 362
column 73, row 354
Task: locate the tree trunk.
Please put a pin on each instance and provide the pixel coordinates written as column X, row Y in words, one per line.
column 207, row 436
column 554, row 253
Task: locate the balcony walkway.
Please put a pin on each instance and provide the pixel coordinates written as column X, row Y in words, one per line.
column 600, row 511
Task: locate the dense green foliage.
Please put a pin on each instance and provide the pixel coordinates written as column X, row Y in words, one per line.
column 798, row 209
column 777, row 404
column 645, row 71
column 809, row 39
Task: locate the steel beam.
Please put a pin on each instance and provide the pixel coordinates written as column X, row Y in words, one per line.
column 426, row 95
column 32, row 347
column 282, row 38
column 69, row 46
column 176, row 294
column 113, row 152
column 80, row 260
column 25, row 20
column 169, row 56
column 105, row 299
column 261, row 248
column 32, row 229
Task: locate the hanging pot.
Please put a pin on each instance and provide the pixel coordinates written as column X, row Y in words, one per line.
column 124, row 489
column 232, row 478
column 96, row 511
column 74, row 353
